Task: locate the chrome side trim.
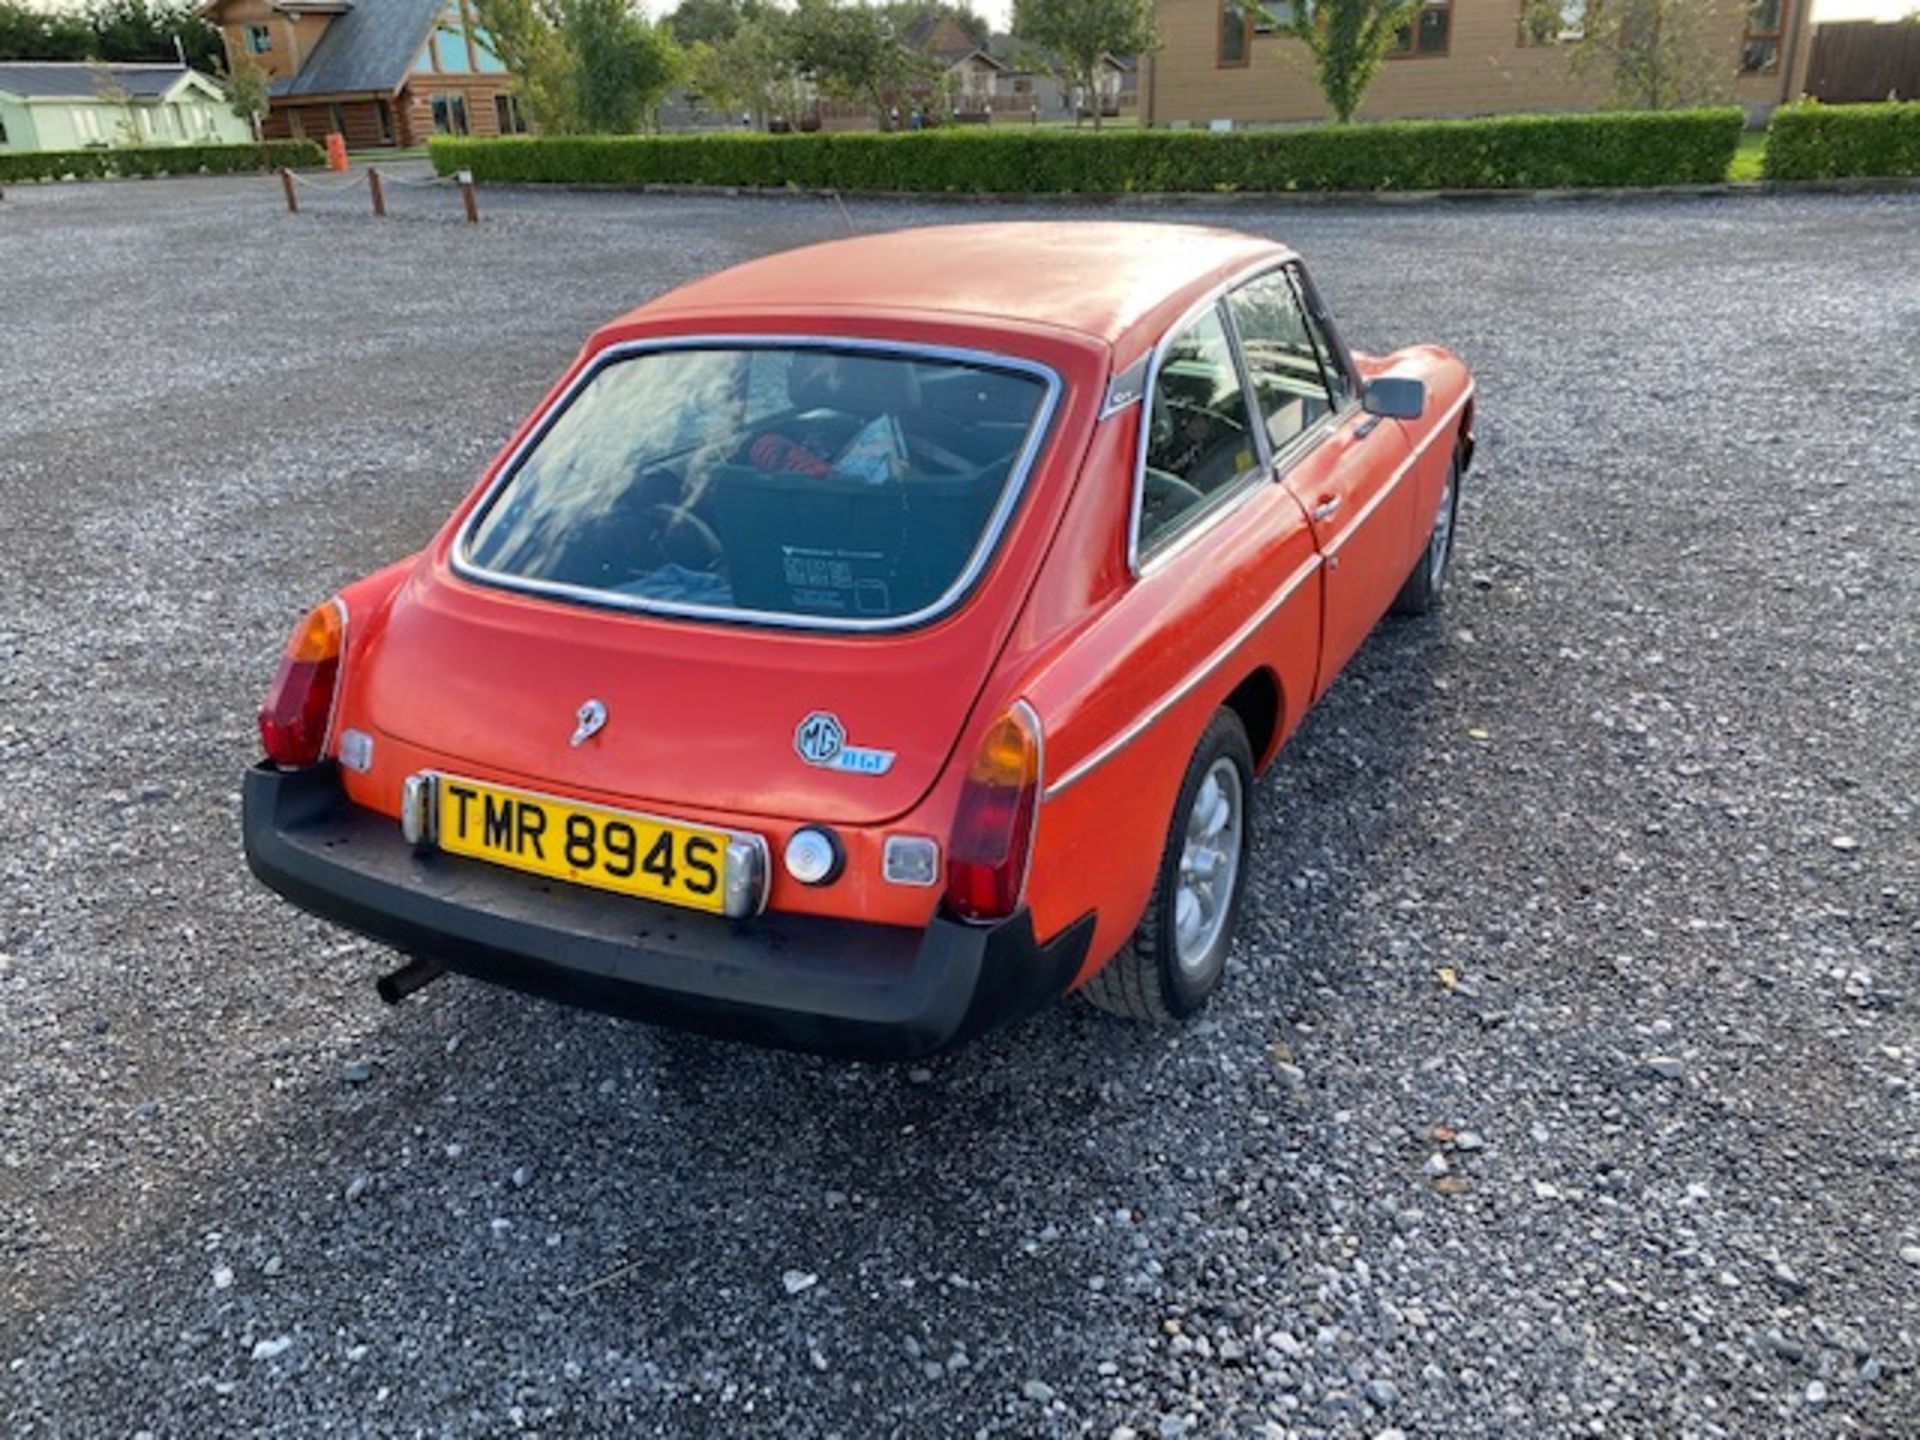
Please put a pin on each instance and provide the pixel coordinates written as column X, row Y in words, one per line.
column 749, row 890
column 1393, row 481
column 1186, row 687
column 1015, row 487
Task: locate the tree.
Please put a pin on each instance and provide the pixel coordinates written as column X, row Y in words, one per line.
column 108, row 87
column 1078, row 35
column 582, row 66
column 525, row 35
column 708, row 22
column 1348, row 41
column 856, row 53
column 1659, row 53
column 248, row 87
column 751, row 71
column 622, row 64
column 112, row 30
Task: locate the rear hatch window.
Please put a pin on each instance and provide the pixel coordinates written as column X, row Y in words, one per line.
column 827, row 486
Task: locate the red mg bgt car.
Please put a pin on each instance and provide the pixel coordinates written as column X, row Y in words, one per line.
column 869, row 644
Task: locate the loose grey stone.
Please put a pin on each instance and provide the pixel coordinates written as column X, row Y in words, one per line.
column 1037, row 1391
column 357, row 1071
column 797, row 1282
column 1667, row 1067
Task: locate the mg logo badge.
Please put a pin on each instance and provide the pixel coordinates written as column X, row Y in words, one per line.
column 820, row 738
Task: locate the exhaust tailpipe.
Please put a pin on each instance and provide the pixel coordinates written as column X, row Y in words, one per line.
column 408, row 978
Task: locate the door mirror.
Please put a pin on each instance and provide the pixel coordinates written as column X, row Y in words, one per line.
column 1394, row 397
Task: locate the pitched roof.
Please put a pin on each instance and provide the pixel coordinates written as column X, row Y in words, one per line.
column 65, row 80
column 371, row 47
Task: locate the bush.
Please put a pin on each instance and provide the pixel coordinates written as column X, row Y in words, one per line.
column 1524, row 152
column 1811, row 141
column 102, row 164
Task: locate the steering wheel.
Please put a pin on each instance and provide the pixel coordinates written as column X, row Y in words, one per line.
column 674, row 535
column 1162, row 491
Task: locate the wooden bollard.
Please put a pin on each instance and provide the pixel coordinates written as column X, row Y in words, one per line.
column 286, row 183
column 379, row 193
column 465, row 178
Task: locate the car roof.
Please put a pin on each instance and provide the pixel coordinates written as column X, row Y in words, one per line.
column 1118, row 282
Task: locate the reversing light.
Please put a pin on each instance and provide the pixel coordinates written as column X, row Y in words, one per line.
column 992, row 841
column 299, row 706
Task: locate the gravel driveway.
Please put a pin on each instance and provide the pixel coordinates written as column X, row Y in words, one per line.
column 1566, row 1079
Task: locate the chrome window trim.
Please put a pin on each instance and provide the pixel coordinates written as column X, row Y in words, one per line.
column 1152, row 715
column 1038, row 433
column 1224, row 501
column 1138, row 563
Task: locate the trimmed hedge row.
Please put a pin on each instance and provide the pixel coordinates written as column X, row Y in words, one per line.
column 1523, row 152
column 1811, row 141
column 128, row 160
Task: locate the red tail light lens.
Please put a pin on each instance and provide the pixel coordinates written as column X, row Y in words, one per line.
column 993, row 830
column 293, row 722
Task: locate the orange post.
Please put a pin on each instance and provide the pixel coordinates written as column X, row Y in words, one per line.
column 337, row 153
column 379, row 192
column 286, row 183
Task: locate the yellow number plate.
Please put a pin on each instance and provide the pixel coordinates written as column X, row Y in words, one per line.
column 583, row 844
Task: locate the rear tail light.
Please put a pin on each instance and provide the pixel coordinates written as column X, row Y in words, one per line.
column 299, row 707
column 993, row 830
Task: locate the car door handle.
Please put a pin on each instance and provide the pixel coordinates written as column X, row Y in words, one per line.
column 1366, row 427
column 1324, row 510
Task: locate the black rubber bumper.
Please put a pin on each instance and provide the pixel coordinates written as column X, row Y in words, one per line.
column 794, row 981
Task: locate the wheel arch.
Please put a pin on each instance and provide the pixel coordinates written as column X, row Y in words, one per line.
column 1261, row 705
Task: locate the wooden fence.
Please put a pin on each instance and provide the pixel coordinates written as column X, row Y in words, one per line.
column 1864, row 60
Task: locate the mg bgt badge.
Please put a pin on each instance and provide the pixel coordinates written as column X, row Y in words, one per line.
column 821, row 740
column 589, row 720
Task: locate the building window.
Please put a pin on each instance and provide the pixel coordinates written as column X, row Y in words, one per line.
column 449, row 114
column 86, row 125
column 3, row 131
column 1553, row 22
column 508, row 114
column 1428, row 32
column 385, row 109
column 1270, row 17
column 1236, row 33
column 259, row 39
column 1760, row 45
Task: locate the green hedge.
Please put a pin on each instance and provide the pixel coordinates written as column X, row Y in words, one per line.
column 1524, row 151
column 104, row 164
column 1811, row 141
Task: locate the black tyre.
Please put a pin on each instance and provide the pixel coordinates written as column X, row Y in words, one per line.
column 1175, row 959
column 1426, row 586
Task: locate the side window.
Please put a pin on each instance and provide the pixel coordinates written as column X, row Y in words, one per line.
column 1284, row 360
column 1337, row 379
column 1199, row 436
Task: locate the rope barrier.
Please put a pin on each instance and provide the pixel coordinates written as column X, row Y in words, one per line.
column 376, row 183
column 324, row 189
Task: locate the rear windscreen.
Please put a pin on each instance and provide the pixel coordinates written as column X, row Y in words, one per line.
column 798, row 483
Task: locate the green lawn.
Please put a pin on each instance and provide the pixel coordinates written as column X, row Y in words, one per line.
column 1746, row 160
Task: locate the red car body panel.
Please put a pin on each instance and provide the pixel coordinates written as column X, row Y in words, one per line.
column 1262, row 604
